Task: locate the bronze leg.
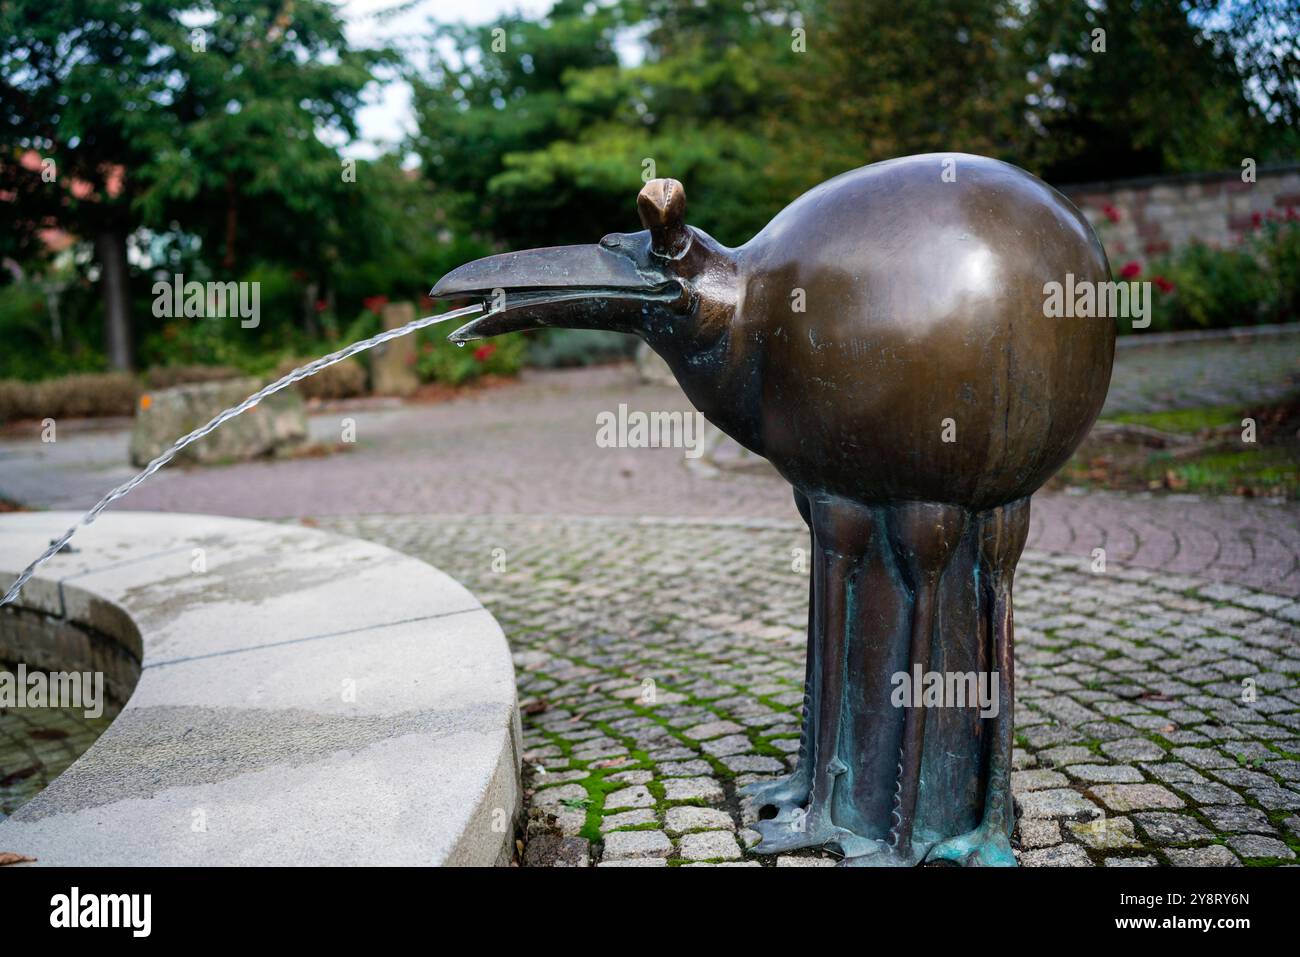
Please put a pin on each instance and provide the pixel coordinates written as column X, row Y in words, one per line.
column 841, row 535
column 789, row 794
column 1002, row 539
column 924, row 536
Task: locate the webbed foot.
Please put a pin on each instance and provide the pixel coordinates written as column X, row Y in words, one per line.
column 786, row 793
column 794, row 831
column 986, row 846
column 881, row 854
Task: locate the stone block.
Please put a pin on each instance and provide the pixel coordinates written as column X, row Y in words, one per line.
column 275, row 425
column 392, row 366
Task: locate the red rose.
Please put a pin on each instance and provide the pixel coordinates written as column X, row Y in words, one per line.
column 1111, row 213
column 1163, row 284
column 1130, row 270
column 484, row 352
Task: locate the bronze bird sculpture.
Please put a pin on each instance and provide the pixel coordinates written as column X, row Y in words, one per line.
column 883, row 342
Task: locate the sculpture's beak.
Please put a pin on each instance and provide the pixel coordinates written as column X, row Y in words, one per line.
column 575, row 287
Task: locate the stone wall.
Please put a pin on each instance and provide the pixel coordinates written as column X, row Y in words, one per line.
column 1147, row 218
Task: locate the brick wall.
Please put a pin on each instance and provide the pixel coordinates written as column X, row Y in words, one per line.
column 1142, row 219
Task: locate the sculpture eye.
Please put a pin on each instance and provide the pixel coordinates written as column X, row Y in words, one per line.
column 612, row 241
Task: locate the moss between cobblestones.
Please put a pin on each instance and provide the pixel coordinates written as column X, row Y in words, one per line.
column 700, row 645
column 767, row 750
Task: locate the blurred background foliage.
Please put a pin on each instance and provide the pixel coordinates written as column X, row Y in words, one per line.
column 230, row 162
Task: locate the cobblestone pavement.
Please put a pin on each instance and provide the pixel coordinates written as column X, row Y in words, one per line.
column 1255, row 544
column 660, row 666
column 1204, row 374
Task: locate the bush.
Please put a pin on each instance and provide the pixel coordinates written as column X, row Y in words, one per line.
column 73, row 396
column 440, row 360
column 343, row 380
column 1202, row 287
column 209, row 342
column 1210, row 289
column 30, row 350
column 105, row 393
column 164, row 377
column 1278, row 241
column 16, row 400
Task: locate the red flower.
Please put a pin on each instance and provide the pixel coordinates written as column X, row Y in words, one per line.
column 374, row 303
column 1130, row 270
column 1111, row 213
column 321, row 305
column 484, row 352
column 1163, row 284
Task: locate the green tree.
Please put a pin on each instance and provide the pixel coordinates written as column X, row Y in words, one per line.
column 749, row 102
column 207, row 119
column 890, row 79
column 546, row 138
column 498, row 91
column 1142, row 87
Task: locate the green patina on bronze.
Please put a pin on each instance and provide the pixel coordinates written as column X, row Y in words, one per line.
column 883, row 342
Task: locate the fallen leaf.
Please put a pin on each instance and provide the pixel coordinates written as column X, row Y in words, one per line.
column 9, row 857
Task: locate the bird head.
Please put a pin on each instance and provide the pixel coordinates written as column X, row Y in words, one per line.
column 670, row 284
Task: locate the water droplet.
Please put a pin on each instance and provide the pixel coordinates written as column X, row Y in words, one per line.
column 460, row 345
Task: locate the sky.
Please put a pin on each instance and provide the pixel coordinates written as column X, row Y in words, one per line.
column 387, row 114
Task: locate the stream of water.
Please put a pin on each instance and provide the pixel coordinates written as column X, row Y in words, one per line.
column 302, row 372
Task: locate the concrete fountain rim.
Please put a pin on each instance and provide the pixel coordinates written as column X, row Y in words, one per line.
column 304, row 698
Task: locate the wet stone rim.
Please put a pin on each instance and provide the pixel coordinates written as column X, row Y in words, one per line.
column 304, row 699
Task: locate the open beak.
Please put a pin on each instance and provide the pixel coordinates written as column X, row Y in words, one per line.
column 573, row 287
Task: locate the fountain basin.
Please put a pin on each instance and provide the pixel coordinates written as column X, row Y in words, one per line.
column 303, row 698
